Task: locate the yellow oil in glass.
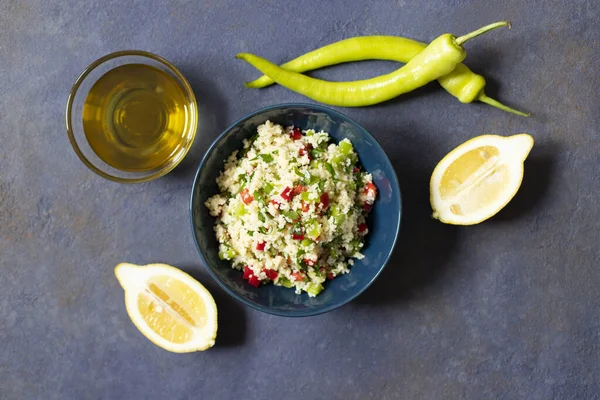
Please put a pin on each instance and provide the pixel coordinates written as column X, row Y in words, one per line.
column 137, row 118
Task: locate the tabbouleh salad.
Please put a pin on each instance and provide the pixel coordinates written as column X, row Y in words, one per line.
column 292, row 208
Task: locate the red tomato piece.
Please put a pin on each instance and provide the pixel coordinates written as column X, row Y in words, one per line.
column 370, row 189
column 286, row 194
column 304, row 150
column 356, row 170
column 308, row 262
column 298, row 189
column 324, row 200
column 247, row 272
column 246, row 196
column 305, row 206
column 298, row 236
column 271, row 273
column 367, row 207
column 362, row 228
column 330, row 276
column 296, row 134
column 254, row 281
column 260, row 246
column 275, row 203
column 298, row 276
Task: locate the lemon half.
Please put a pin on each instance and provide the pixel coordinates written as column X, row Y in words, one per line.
column 172, row 309
column 478, row 178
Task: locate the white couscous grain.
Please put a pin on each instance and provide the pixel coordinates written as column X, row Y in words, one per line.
column 292, row 208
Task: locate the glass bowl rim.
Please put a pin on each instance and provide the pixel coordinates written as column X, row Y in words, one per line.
column 80, row 79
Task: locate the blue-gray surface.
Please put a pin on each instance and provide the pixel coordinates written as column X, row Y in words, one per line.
column 506, row 309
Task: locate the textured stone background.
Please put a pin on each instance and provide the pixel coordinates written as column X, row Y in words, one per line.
column 508, row 309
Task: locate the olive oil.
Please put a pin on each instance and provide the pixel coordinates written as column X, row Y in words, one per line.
column 137, row 118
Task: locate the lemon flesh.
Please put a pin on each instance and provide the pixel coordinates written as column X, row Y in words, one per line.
column 478, row 178
column 169, row 307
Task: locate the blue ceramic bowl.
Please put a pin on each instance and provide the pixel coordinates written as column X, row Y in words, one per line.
column 384, row 221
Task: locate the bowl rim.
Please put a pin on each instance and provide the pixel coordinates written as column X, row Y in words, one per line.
column 83, row 75
column 233, row 293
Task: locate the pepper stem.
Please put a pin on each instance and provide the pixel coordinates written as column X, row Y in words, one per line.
column 460, row 40
column 495, row 103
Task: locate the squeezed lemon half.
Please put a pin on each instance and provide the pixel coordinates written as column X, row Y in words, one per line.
column 478, row 178
column 172, row 309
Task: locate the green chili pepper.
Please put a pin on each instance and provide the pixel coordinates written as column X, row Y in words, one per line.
column 345, row 147
column 227, row 254
column 259, row 196
column 239, row 210
column 342, row 152
column 285, row 282
column 297, row 172
column 268, row 188
column 306, row 242
column 461, row 83
column 440, row 57
column 336, row 213
column 314, row 289
column 338, row 158
column 308, row 196
column 261, row 217
column 313, row 230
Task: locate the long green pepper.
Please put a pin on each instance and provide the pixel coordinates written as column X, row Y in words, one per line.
column 461, row 82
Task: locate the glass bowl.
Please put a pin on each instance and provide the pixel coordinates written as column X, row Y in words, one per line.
column 78, row 95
